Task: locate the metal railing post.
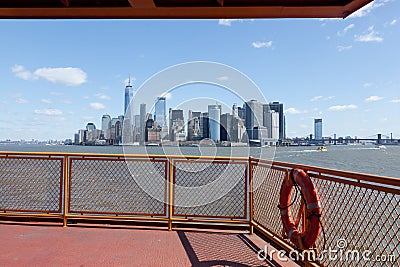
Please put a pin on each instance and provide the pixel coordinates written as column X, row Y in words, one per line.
column 65, row 199
column 251, row 204
column 170, row 193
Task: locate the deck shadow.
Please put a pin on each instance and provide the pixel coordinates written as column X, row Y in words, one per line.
column 220, row 249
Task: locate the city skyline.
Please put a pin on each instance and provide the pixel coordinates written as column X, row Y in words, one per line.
column 71, row 72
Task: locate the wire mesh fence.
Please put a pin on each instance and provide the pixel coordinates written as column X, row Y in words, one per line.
column 360, row 214
column 31, row 184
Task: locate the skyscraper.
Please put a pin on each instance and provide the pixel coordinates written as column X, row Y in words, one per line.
column 128, row 97
column 318, row 129
column 106, row 126
column 226, row 127
column 193, row 125
column 160, row 111
column 278, row 107
column 142, row 123
column 176, row 123
column 254, row 117
column 214, row 120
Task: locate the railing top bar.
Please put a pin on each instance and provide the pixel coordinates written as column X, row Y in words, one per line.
column 120, row 155
column 338, row 173
column 345, row 174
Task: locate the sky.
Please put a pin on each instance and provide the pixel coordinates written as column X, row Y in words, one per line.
column 58, row 75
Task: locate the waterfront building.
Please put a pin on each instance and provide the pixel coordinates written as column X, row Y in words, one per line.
column 204, row 129
column 238, row 131
column 176, row 123
column 142, row 123
column 226, row 127
column 242, row 112
column 271, row 121
column 136, row 128
column 164, row 133
column 93, row 135
column 160, row 111
column 318, row 129
column 90, row 126
column 275, row 120
column 235, row 110
column 254, row 117
column 116, row 131
column 194, row 125
column 214, row 121
column 106, row 126
column 127, row 134
column 76, row 139
column 82, row 137
column 148, row 128
column 278, row 107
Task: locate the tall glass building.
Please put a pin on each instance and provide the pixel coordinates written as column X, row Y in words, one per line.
column 160, row 111
column 106, row 126
column 214, row 117
column 128, row 96
column 318, row 129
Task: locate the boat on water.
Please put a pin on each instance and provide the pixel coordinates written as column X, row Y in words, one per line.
column 322, row 148
column 380, row 146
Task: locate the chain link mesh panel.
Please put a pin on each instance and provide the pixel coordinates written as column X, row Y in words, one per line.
column 106, row 186
column 363, row 218
column 210, row 189
column 30, row 184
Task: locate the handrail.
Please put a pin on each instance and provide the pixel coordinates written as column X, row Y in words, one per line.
column 393, row 181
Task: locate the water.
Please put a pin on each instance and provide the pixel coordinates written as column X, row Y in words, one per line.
column 363, row 159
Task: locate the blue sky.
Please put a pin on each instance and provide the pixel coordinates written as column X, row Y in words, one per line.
column 57, row 75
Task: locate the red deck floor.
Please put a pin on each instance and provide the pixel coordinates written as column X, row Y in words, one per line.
column 32, row 244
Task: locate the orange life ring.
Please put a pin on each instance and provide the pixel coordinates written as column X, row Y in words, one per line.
column 307, row 238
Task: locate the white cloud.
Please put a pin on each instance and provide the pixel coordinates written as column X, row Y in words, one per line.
column 373, row 98
column 48, row 111
column 395, row 101
column 320, row 97
column 68, row 76
column 102, row 96
column 97, row 106
column 22, row 73
column 343, row 107
column 294, row 111
column 365, row 85
column 370, row 36
column 227, row 22
column 315, row 98
column 365, row 10
column 343, row 48
column 46, row 101
column 56, row 93
column 68, row 102
column 261, row 44
column 393, row 22
column 22, row 101
column 223, row 78
column 345, row 30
